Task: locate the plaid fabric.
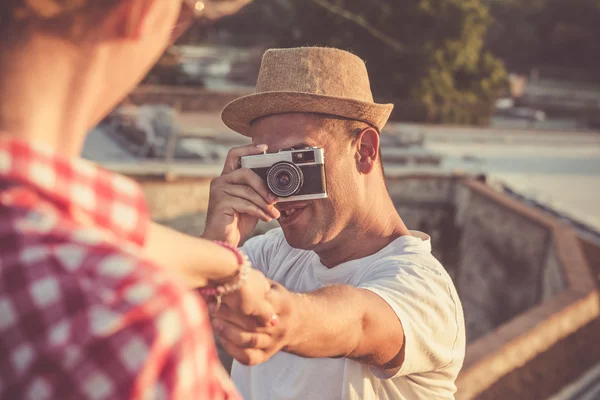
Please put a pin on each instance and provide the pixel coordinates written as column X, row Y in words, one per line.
column 82, row 314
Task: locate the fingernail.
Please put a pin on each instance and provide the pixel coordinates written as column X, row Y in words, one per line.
column 274, row 320
column 262, row 147
column 272, row 198
column 218, row 327
column 276, row 213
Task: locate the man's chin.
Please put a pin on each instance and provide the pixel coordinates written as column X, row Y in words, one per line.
column 298, row 238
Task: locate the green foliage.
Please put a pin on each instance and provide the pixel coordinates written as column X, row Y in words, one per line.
column 424, row 53
column 551, row 33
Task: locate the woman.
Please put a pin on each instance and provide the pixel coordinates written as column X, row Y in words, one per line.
column 87, row 309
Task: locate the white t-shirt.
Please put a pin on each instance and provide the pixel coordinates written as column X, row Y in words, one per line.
column 404, row 274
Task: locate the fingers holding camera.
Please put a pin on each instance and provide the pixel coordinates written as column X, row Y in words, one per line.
column 245, row 184
column 244, row 192
column 247, row 207
column 238, row 199
column 232, row 162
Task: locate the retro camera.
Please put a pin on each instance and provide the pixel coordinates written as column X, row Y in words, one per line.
column 291, row 175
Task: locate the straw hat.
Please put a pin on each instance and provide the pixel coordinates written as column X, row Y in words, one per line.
column 310, row 80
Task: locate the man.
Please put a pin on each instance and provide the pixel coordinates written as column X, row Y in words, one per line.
column 86, row 311
column 365, row 311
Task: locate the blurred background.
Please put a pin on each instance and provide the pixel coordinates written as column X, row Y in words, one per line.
column 493, row 149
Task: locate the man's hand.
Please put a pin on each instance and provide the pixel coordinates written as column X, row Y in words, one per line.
column 359, row 325
column 253, row 342
column 238, row 199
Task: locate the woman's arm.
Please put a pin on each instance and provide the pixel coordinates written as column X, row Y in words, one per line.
column 197, row 260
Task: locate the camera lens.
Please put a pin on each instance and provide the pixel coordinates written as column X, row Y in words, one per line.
column 284, row 179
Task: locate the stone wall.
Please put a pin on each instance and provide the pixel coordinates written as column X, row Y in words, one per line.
column 169, row 201
column 591, row 249
column 499, row 259
column 553, row 278
column 548, row 372
column 526, row 356
column 180, row 205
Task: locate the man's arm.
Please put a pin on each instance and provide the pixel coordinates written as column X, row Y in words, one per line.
column 336, row 321
column 343, row 321
column 403, row 318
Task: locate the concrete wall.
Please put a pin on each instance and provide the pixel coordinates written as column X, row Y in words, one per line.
column 525, row 356
column 168, row 201
column 591, row 249
column 553, row 278
column 499, row 259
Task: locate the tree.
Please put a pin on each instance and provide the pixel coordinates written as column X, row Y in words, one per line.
column 425, row 55
column 570, row 32
column 549, row 33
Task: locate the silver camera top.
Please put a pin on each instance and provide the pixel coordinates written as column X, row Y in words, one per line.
column 307, row 156
column 295, row 149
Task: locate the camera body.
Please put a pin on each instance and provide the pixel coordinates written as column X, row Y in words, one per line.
column 291, row 175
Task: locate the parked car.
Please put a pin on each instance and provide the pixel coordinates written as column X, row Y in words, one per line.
column 529, row 114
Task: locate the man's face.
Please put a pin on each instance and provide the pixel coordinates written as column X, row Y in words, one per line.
column 315, row 223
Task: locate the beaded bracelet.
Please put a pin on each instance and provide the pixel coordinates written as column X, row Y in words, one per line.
column 227, row 288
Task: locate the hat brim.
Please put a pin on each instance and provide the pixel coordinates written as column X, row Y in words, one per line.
column 239, row 114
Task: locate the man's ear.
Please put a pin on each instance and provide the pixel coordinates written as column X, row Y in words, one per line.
column 367, row 150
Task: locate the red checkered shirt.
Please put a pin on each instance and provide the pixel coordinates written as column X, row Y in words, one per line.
column 82, row 314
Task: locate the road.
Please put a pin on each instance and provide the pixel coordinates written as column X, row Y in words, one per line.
column 558, row 170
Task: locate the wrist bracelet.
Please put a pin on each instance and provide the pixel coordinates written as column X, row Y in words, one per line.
column 236, row 282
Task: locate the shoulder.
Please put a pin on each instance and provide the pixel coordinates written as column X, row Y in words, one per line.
column 416, row 277
column 422, row 294
column 414, row 263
